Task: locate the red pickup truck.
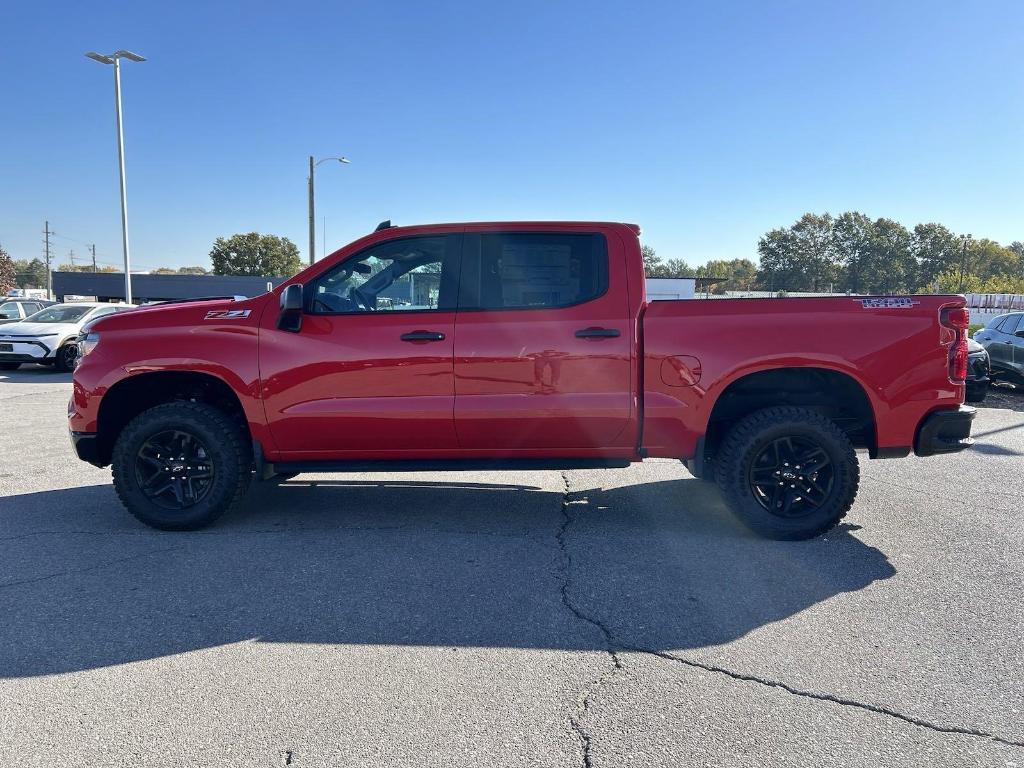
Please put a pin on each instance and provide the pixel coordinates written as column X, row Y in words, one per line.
column 518, row 345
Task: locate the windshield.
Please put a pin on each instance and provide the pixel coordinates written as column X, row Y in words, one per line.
column 62, row 313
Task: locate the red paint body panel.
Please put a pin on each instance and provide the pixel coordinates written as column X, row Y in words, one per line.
column 174, row 337
column 519, row 383
column 898, row 356
column 524, row 381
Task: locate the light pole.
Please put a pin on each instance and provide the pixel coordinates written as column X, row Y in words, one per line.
column 963, row 261
column 115, row 59
column 312, row 205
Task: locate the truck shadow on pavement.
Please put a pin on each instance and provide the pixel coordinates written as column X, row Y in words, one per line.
column 432, row 563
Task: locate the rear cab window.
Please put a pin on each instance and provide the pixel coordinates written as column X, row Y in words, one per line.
column 528, row 270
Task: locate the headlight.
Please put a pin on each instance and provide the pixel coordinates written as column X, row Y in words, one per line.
column 88, row 344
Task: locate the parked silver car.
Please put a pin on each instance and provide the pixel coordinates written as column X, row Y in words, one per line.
column 1003, row 337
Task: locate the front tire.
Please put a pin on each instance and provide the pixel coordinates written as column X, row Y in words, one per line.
column 787, row 473
column 65, row 357
column 180, row 466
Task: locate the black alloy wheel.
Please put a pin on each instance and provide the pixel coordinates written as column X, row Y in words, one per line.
column 174, row 469
column 792, row 476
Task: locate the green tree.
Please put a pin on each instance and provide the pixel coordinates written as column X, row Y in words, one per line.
column 30, row 274
column 8, row 278
column 802, row 257
column 891, row 267
column 987, row 259
column 936, row 250
column 34, row 274
column 779, row 267
column 1017, row 248
column 853, row 235
column 651, row 260
column 739, row 274
column 255, row 254
column 953, row 281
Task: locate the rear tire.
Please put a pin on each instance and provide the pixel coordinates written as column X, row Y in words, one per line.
column 9, row 366
column 787, row 473
column 195, row 455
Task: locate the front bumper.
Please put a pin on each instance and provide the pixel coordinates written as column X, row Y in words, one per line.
column 28, row 351
column 945, row 431
column 86, row 446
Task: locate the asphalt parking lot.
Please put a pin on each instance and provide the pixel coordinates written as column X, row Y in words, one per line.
column 591, row 618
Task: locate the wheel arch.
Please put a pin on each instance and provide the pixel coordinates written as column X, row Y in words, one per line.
column 835, row 393
column 132, row 395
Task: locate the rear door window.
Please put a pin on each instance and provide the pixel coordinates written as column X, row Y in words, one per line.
column 517, row 270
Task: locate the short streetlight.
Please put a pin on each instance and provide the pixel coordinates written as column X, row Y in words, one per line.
column 312, row 205
column 115, row 59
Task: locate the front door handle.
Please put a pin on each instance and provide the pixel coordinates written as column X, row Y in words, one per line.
column 423, row 336
column 597, row 333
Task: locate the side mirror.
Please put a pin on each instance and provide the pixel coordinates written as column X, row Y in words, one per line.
column 1021, row 334
column 290, row 318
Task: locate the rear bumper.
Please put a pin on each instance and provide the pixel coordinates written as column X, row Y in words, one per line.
column 86, row 446
column 945, row 431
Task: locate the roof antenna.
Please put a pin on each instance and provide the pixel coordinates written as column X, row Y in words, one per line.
column 383, row 225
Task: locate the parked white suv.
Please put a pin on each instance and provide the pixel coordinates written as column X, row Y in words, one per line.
column 48, row 336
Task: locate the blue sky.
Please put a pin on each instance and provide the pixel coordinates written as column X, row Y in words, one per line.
column 706, row 123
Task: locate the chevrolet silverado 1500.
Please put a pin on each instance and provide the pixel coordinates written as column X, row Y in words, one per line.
column 462, row 346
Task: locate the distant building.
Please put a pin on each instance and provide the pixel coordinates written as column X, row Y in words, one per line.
column 666, row 288
column 109, row 286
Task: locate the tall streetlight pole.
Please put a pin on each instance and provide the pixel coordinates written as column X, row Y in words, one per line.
column 115, row 59
column 312, row 204
column 963, row 260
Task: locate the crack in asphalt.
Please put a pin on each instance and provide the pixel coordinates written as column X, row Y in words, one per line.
column 98, row 566
column 818, row 696
column 576, row 720
column 614, row 646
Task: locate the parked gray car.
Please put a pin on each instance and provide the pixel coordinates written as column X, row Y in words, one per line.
column 1003, row 337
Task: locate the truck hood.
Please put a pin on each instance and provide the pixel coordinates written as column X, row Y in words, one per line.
column 38, row 329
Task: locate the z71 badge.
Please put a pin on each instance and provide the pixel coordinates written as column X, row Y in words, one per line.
column 888, row 302
column 228, row 314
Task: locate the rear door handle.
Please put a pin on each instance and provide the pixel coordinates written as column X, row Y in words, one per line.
column 597, row 333
column 423, row 336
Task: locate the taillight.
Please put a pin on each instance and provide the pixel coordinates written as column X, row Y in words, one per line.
column 957, row 319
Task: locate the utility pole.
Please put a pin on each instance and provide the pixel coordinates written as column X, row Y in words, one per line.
column 49, row 276
column 93, row 249
column 71, row 257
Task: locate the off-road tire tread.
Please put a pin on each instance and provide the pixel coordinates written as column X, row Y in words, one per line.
column 731, row 477
column 207, row 416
